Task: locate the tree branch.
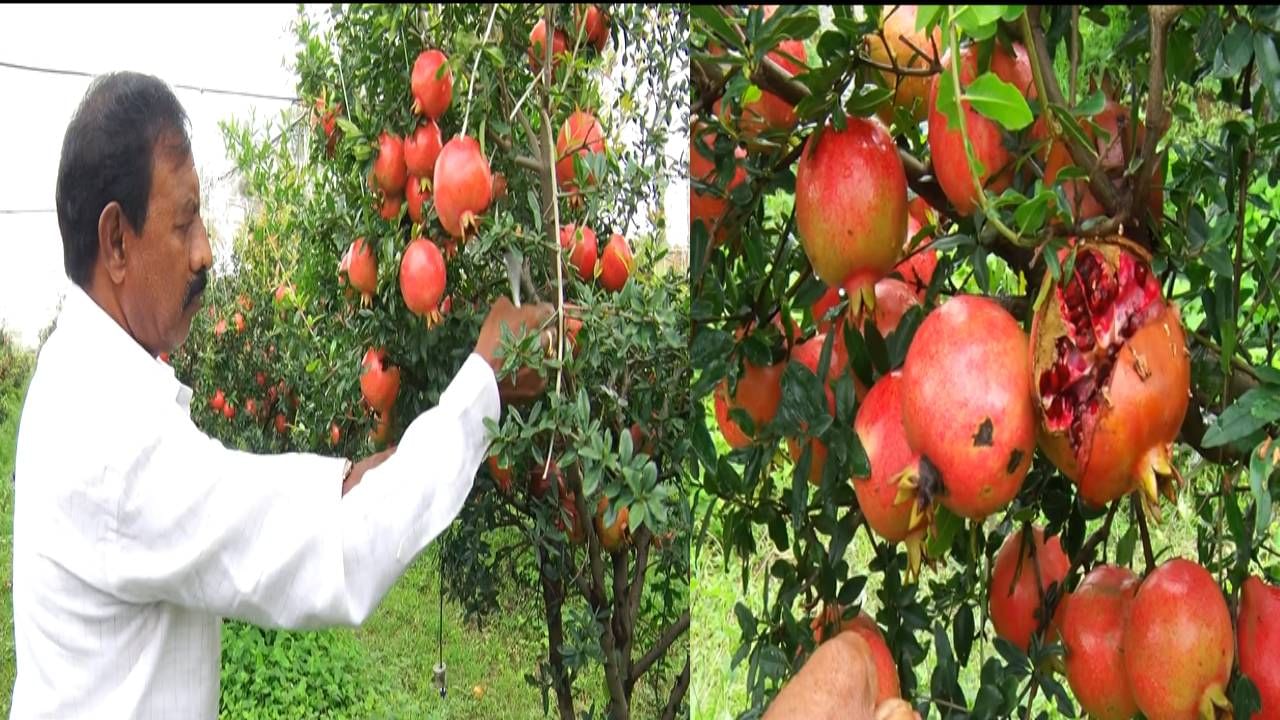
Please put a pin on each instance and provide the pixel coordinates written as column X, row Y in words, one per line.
column 1147, row 554
column 553, row 599
column 660, row 648
column 677, row 694
column 1162, row 16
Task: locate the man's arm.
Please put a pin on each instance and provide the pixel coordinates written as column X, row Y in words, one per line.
column 271, row 539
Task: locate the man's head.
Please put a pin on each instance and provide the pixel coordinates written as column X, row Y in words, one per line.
column 128, row 203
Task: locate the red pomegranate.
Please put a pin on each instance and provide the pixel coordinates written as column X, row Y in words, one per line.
column 389, row 171
column 583, row 250
column 1258, row 636
column 431, row 84
column 822, row 306
column 580, row 135
column 759, row 393
column 218, row 401
column 422, row 279
column 966, row 405
column 1017, row 586
column 922, row 211
column 1112, row 375
column 946, row 145
column 911, row 92
column 1092, row 629
column 809, row 353
column 893, row 299
column 361, row 269
column 710, row 207
column 538, row 49
column 389, row 209
column 883, row 438
column 282, row 424
column 501, row 475
column 851, row 207
column 417, row 191
column 594, row 25
column 462, row 185
column 540, row 479
column 1178, row 644
column 327, row 118
column 379, row 381
column 771, row 112
column 616, row 264
column 421, row 150
column 918, row 267
column 334, row 434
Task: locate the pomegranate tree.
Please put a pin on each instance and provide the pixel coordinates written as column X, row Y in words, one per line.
column 462, row 186
column 851, row 206
column 1112, row 375
column 1178, row 645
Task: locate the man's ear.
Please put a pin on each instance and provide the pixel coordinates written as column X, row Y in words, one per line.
column 111, row 242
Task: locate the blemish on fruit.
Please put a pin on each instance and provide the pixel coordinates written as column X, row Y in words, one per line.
column 1015, row 459
column 983, row 437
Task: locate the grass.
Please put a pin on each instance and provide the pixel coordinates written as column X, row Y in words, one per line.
column 720, row 691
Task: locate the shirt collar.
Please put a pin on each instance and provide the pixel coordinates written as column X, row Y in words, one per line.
column 103, row 338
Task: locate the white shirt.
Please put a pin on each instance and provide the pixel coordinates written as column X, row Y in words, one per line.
column 135, row 533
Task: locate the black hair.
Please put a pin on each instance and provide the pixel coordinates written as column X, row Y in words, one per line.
column 107, row 155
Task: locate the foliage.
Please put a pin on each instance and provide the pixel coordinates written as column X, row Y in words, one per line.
column 1212, row 249
column 300, row 357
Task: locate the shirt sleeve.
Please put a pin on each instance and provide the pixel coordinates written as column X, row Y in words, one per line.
column 270, row 539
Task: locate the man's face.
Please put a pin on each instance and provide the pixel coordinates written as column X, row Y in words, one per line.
column 167, row 264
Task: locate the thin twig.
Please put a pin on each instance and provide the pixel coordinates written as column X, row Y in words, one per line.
column 471, row 82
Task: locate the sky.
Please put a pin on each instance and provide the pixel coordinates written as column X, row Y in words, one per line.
column 188, row 45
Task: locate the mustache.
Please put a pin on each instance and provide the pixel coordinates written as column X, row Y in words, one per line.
column 196, row 287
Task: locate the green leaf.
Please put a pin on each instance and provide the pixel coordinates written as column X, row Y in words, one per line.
column 963, row 631
column 927, row 15
column 947, row 99
column 1254, row 410
column 1234, row 52
column 1261, row 466
column 979, row 21
column 948, row 526
column 867, row 100
column 1124, row 548
column 999, row 101
column 714, row 20
column 1030, row 215
column 1091, row 105
column 1268, row 61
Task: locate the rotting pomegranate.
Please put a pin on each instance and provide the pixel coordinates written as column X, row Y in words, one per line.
column 389, row 171
column 379, row 380
column 880, row 430
column 431, row 86
column 911, row 92
column 583, row 249
column 422, row 279
column 966, row 406
column 851, row 207
column 1112, row 375
column 462, row 186
column 1093, row 622
column 1178, row 644
column 1019, row 585
column 421, row 150
column 946, row 144
column 1258, row 637
column 580, row 135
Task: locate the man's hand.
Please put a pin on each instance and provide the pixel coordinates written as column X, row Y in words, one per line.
column 838, row 682
column 360, row 468
column 526, row 384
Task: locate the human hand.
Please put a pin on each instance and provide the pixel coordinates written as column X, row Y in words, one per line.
column 838, row 682
column 360, row 468
column 534, row 317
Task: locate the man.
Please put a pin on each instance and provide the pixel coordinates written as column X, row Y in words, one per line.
column 837, row 682
column 134, row 533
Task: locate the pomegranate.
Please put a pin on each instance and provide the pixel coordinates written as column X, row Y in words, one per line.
column 499, row 186
column 334, row 434
column 379, row 381
column 759, row 393
column 1092, row 628
column 238, row 320
column 594, row 25
column 918, row 267
column 538, row 49
column 229, row 410
column 416, row 193
column 389, row 210
column 911, row 92
column 809, row 353
column 1178, row 645
column 710, row 207
column 421, row 150
column 220, row 327
column 251, row 407
column 946, row 145
column 389, row 171
column 218, row 401
column 327, row 118
column 1258, row 635
column 501, row 475
column 1018, row 586
column 431, row 84
column 966, row 406
column 260, row 378
column 361, row 269
column 614, row 537
column 462, row 185
column 880, row 430
column 422, row 279
column 540, row 479
column 1113, row 376
column 582, row 247
column 616, row 264
column 282, row 424
column 922, row 211
column 771, row 112
column 580, row 135
column 851, row 207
